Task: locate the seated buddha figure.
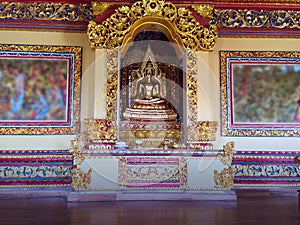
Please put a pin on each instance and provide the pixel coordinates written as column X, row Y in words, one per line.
column 149, row 86
column 148, row 90
column 147, row 101
column 150, row 116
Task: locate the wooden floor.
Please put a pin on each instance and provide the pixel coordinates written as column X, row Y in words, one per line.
column 258, row 210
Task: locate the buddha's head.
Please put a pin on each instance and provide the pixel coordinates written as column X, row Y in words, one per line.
column 149, row 70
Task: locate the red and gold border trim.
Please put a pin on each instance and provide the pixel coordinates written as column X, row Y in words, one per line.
column 265, row 168
column 35, row 168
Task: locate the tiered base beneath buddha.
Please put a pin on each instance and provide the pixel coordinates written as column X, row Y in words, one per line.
column 150, row 123
column 150, row 133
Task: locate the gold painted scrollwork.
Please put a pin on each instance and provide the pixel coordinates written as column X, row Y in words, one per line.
column 110, row 33
column 80, row 179
column 224, row 179
column 203, row 10
column 257, row 18
column 192, row 95
column 112, row 86
column 226, row 157
column 45, row 11
column 207, row 130
column 100, row 129
column 100, row 7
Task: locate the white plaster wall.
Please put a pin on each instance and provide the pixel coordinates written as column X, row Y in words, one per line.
column 100, row 84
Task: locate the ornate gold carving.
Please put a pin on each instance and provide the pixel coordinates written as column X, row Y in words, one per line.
column 75, row 148
column 81, row 180
column 256, row 18
column 112, row 86
column 100, row 129
column 45, row 11
column 224, row 179
column 226, row 157
column 100, row 7
column 191, row 72
column 110, row 34
column 207, row 130
column 203, row 10
column 28, row 171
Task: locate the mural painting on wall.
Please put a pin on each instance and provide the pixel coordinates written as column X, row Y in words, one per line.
column 260, row 93
column 39, row 90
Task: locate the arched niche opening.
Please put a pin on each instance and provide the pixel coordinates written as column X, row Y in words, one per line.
column 152, row 108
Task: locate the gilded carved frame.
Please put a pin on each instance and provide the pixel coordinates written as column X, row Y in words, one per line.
column 191, row 91
column 260, row 93
column 40, row 89
column 177, row 23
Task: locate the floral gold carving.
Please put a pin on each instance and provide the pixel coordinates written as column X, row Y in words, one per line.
column 80, row 179
column 100, row 129
column 156, row 170
column 75, row 149
column 267, row 170
column 110, row 33
column 112, row 86
column 45, row 11
column 256, row 18
column 224, row 179
column 100, row 7
column 203, row 10
column 207, row 130
column 192, row 95
column 226, row 157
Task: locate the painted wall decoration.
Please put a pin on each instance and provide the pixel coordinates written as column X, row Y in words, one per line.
column 266, row 168
column 39, row 89
column 35, row 168
column 152, row 172
column 260, row 93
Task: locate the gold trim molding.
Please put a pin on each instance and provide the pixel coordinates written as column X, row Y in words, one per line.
column 110, row 34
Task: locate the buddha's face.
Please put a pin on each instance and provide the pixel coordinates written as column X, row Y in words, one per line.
column 149, row 71
column 148, row 74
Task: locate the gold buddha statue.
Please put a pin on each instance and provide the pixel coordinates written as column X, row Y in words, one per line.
column 150, row 116
column 147, row 102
